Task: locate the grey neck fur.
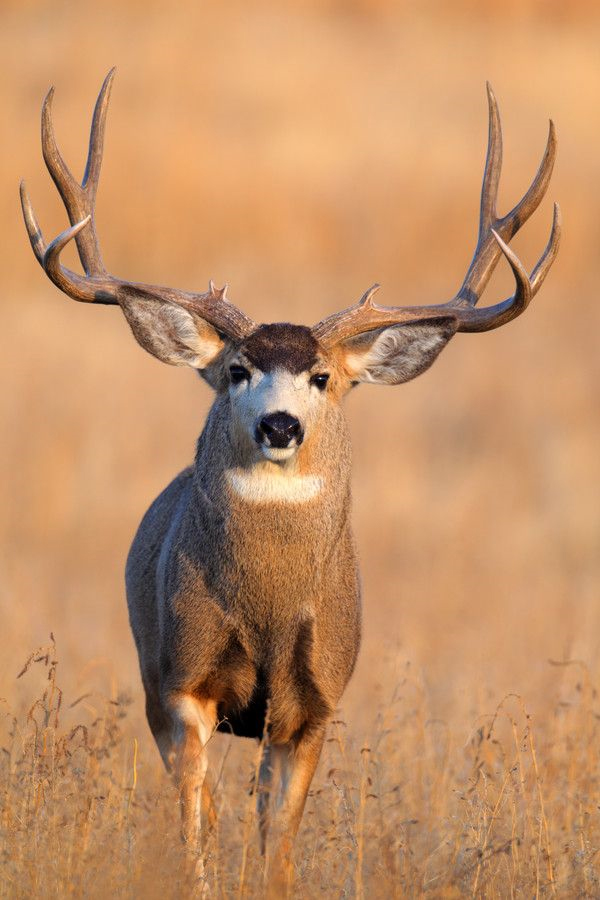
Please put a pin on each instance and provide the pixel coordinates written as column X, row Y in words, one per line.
column 275, row 551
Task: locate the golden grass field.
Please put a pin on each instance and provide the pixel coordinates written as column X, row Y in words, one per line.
column 302, row 151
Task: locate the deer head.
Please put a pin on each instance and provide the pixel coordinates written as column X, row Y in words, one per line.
column 281, row 379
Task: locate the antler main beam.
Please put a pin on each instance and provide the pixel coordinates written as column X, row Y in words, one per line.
column 494, row 234
column 97, row 285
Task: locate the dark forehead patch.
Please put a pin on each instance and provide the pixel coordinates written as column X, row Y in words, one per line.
column 281, row 346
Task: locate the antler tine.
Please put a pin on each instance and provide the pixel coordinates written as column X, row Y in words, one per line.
column 93, row 164
column 527, row 205
column 493, row 237
column 487, row 252
column 493, row 166
column 369, row 316
column 485, row 319
column 75, row 285
column 543, row 265
column 36, row 238
column 98, row 285
column 79, row 199
column 491, row 317
column 99, row 290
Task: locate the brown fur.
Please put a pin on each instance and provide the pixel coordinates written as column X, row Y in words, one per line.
column 282, row 345
column 248, row 592
column 246, row 614
column 242, row 605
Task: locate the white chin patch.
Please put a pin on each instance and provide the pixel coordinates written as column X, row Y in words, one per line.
column 278, row 454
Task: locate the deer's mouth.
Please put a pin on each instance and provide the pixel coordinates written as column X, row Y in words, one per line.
column 278, row 454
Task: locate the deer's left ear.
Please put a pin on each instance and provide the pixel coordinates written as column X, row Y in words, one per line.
column 396, row 354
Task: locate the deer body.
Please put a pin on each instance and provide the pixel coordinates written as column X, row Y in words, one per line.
column 236, row 597
column 242, row 581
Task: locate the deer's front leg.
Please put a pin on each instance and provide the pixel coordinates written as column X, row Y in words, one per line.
column 297, row 764
column 193, row 724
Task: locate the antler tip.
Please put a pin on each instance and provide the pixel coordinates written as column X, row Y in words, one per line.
column 492, row 102
column 367, row 297
column 107, row 83
column 47, row 102
column 24, row 195
column 556, row 230
column 557, row 213
column 27, row 208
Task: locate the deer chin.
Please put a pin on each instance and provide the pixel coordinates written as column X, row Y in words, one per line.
column 278, row 454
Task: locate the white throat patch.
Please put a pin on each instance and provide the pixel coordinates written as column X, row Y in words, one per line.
column 261, row 486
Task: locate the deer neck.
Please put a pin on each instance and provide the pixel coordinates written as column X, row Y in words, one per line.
column 304, row 502
column 273, row 546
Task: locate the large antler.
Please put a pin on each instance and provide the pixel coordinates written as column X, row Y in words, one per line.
column 494, row 234
column 97, row 285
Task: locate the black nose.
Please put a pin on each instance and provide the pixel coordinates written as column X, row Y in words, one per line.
column 278, row 429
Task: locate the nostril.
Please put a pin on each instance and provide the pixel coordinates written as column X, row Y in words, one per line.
column 265, row 427
column 278, row 429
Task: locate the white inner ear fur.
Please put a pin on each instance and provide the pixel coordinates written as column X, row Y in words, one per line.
column 171, row 333
column 198, row 337
column 397, row 354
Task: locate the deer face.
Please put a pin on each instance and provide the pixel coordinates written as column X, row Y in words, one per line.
column 277, row 382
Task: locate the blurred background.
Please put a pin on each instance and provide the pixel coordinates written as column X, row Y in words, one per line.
column 302, row 151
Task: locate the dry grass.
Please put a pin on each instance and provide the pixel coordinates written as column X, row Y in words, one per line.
column 405, row 813
column 302, row 152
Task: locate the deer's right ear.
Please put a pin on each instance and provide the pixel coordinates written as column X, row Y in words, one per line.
column 169, row 332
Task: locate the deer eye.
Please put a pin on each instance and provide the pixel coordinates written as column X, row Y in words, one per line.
column 320, row 380
column 238, row 374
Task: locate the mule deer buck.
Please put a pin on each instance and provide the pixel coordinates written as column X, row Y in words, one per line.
column 242, row 581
